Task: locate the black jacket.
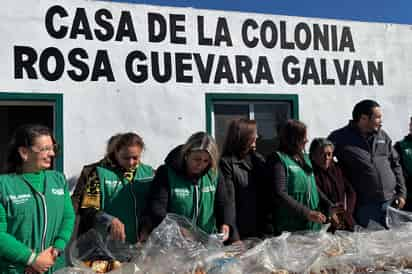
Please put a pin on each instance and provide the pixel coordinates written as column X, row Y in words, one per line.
column 159, row 197
column 245, row 186
column 370, row 164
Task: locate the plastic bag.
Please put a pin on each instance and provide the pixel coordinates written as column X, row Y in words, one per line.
column 74, row 270
column 101, row 254
column 288, row 253
column 176, row 246
column 396, row 218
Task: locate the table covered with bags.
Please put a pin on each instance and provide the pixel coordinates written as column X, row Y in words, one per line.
column 176, row 246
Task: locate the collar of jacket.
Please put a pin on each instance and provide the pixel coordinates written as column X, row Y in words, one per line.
column 356, row 129
column 408, row 138
column 241, row 162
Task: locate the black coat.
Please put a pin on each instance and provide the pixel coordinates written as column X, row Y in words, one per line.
column 371, row 164
column 244, row 183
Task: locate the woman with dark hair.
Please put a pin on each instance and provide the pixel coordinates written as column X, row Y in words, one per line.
column 36, row 214
column 115, row 194
column 333, row 184
column 188, row 185
column 292, row 183
column 241, row 168
column 83, row 225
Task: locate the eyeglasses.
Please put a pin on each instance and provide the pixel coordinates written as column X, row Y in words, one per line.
column 54, row 148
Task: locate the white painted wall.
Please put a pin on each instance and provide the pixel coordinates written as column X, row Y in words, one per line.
column 166, row 114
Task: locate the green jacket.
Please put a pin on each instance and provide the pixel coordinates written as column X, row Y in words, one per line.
column 125, row 200
column 301, row 187
column 33, row 221
column 196, row 202
column 406, row 155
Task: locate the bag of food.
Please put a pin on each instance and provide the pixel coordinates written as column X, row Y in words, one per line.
column 176, row 246
column 99, row 253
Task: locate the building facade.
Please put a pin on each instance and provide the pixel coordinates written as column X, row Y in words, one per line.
column 93, row 69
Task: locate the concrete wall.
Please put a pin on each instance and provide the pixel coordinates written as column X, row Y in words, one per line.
column 165, row 114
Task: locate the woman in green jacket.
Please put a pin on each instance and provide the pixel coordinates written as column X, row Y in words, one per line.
column 188, row 185
column 292, row 183
column 113, row 192
column 36, row 214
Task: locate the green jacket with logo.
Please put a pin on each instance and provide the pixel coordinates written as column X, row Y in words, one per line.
column 301, row 186
column 123, row 199
column 194, row 201
column 33, row 221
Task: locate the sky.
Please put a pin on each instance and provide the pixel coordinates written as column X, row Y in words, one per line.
column 388, row 11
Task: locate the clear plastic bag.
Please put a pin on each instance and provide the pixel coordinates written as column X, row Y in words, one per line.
column 97, row 251
column 396, row 218
column 288, row 253
column 74, row 270
column 176, row 246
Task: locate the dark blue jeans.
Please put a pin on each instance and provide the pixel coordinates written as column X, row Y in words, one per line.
column 372, row 212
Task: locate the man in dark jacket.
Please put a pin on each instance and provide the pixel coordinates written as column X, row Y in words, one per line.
column 370, row 163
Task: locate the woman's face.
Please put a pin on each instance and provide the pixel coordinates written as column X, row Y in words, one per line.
column 40, row 155
column 128, row 157
column 302, row 145
column 323, row 157
column 197, row 162
column 252, row 142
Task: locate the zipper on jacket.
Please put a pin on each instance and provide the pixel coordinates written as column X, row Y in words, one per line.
column 43, row 199
column 135, row 210
column 373, row 150
column 43, row 241
column 309, row 196
column 196, row 198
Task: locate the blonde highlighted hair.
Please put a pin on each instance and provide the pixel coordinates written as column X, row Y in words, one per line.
column 201, row 141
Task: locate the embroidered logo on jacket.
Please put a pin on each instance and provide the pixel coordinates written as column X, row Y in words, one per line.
column 112, row 183
column 294, row 167
column 208, row 189
column 181, row 192
column 57, row 191
column 19, row 199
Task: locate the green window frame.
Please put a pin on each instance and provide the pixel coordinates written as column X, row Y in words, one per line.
column 57, row 100
column 212, row 98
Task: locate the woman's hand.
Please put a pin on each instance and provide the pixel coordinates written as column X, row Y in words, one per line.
column 144, row 235
column 225, row 229
column 44, row 261
column 402, row 202
column 335, row 220
column 316, row 217
column 117, row 230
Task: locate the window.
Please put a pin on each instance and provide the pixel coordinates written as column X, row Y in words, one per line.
column 269, row 111
column 27, row 108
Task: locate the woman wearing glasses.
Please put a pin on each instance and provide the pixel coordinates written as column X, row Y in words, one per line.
column 36, row 213
column 292, row 182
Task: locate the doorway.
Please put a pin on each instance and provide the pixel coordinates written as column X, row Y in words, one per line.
column 17, row 109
